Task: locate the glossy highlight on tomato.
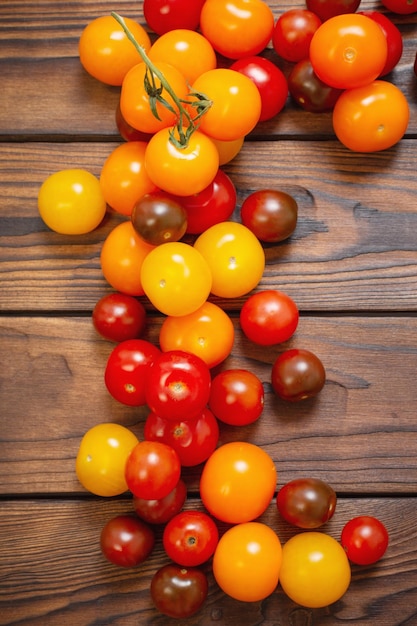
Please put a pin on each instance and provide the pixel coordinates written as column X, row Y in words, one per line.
column 126, row 541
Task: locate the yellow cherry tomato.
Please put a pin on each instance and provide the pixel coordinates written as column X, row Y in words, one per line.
column 228, row 149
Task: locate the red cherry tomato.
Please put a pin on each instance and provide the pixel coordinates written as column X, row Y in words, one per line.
column 393, row 36
column 190, row 538
column 400, row 7
column 236, row 397
column 162, row 510
column 118, row 317
column 165, row 15
column 293, row 32
column 365, row 540
column 326, row 9
column 269, row 317
column 152, row 470
column 297, row 374
column 126, row 541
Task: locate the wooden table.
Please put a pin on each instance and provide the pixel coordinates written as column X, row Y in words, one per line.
column 351, row 266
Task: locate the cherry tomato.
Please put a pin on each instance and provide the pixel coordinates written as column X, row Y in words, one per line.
column 208, row 332
column 329, row 8
column 127, row 132
column 348, row 51
column 371, row 118
column 101, row 459
column 118, row 317
column 70, row 202
column 269, row 317
column 393, row 36
column 165, row 15
column 238, row 482
column 228, row 149
column 179, row 591
column 237, row 28
column 247, row 561
column 194, row 439
column 235, row 257
column 270, row 81
column 311, row 93
column 236, row 397
column 297, row 374
column 126, row 366
column 152, row 470
column 177, row 385
column 306, row 502
column 123, row 178
column 270, row 214
column 105, row 50
column 190, row 538
column 176, row 278
column 293, row 32
column 400, row 7
column 158, row 218
column 315, row 571
column 126, row 541
column 160, row 511
column 365, row 539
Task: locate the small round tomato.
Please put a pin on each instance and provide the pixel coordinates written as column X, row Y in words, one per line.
column 235, row 257
column 190, row 538
column 306, row 502
column 126, row 366
column 126, row 541
column 293, row 32
column 105, row 50
column 393, row 36
column 176, row 278
column 236, row 397
column 311, row 93
column 270, row 214
column 365, row 540
column 228, row 149
column 297, row 374
column 238, row 482
column 315, row 570
column 247, row 561
column 157, row 218
column 101, row 459
column 208, row 332
column 179, row 591
column 162, row 510
column 71, row 202
column 118, row 317
column 152, row 470
column 165, row 15
column 326, row 9
column 400, row 7
column 269, row 317
column 371, row 118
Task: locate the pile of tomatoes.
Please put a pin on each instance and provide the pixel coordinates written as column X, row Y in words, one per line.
column 182, row 116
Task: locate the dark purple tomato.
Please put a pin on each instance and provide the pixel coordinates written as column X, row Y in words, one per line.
column 270, row 214
column 308, row 91
column 126, row 541
column 293, row 32
column 118, row 317
column 157, row 218
column 179, row 591
column 297, row 375
column 306, row 502
column 393, row 37
column 162, row 510
column 329, row 8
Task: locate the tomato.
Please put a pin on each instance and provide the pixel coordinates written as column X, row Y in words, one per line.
column 228, row 149
column 121, row 258
column 235, row 257
column 70, row 202
column 190, row 538
column 165, row 15
column 227, row 119
column 306, row 502
column 236, row 397
column 315, row 571
column 101, row 459
column 348, row 51
column 123, row 178
column 393, row 37
column 160, row 511
column 118, row 317
column 270, row 214
column 127, row 132
column 237, row 28
column 158, row 218
column 179, row 591
column 371, row 118
column 152, row 470
column 269, row 80
column 177, row 385
column 181, row 171
column 311, row 93
column 297, row 374
column 176, row 278
column 293, row 32
column 188, row 51
column 330, row 8
column 208, row 332
column 269, row 317
column 105, row 50
column 194, row 439
column 126, row 541
column 365, row 539
column 126, row 366
column 247, row 561
column 400, row 7
column 238, row 482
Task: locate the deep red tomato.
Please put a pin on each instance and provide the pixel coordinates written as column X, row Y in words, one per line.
column 165, row 15
column 178, row 591
column 311, row 93
column 365, row 540
column 269, row 317
column 400, row 7
column 119, row 317
column 236, row 397
column 194, row 440
column 160, row 511
column 125, row 370
column 190, row 538
column 270, row 81
column 126, row 541
column 293, row 32
column 177, row 385
column 329, row 8
column 297, row 374
column 270, row 214
column 394, row 39
column 152, row 470
column 306, row 502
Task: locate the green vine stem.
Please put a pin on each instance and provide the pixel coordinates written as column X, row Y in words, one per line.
column 186, row 123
